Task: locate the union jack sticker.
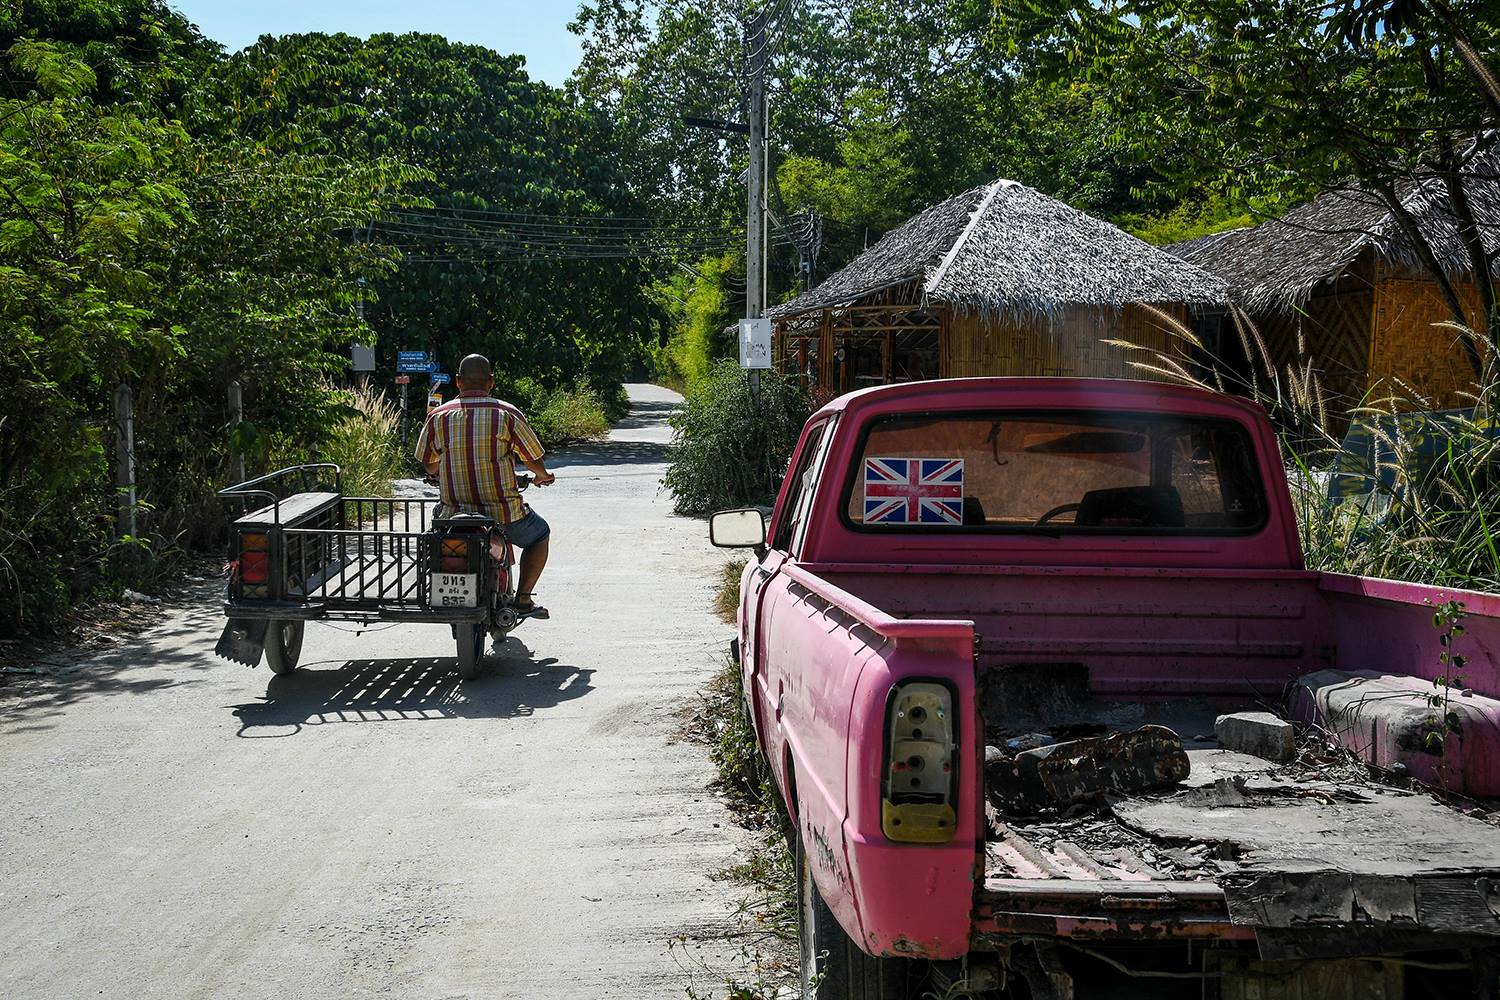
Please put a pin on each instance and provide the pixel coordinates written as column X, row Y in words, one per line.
column 914, row 491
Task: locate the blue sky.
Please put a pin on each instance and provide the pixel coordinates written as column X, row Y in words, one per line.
column 537, row 29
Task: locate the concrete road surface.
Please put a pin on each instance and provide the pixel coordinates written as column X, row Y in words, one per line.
column 175, row 825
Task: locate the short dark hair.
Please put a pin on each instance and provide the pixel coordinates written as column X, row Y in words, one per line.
column 475, row 368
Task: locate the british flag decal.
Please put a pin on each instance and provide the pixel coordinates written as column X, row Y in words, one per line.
column 914, row 491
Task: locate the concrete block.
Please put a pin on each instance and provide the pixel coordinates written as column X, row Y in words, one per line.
column 1259, row 734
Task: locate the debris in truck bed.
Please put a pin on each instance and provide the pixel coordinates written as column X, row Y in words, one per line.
column 1028, row 741
column 1234, row 814
column 1082, row 770
column 1294, row 823
column 1396, row 719
column 1259, row 734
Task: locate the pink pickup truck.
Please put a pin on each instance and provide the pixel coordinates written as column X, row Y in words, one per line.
column 971, row 584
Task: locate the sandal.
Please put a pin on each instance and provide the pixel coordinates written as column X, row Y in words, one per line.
column 530, row 609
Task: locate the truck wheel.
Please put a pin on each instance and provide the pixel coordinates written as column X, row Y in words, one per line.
column 833, row 966
column 283, row 646
column 470, row 649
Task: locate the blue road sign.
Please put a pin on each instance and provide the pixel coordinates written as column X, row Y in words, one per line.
column 441, row 378
column 413, row 361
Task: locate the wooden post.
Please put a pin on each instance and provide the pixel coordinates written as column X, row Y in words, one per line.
column 237, row 417
column 124, row 414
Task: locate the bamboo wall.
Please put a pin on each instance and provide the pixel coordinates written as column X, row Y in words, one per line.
column 1410, row 351
column 1332, row 331
column 1072, row 344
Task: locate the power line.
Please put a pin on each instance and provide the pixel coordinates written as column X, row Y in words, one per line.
column 604, row 223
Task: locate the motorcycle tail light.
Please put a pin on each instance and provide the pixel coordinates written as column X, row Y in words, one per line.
column 453, row 555
column 917, row 805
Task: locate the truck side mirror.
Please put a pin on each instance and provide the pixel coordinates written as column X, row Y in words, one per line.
column 737, row 529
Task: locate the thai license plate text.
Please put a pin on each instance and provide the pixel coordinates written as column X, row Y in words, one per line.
column 455, row 590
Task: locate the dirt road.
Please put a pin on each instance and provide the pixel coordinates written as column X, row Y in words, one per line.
column 175, row 825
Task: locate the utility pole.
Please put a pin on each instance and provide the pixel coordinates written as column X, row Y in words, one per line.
column 755, row 219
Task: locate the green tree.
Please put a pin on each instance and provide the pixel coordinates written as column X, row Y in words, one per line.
column 878, row 108
column 1275, row 101
column 501, row 155
column 137, row 248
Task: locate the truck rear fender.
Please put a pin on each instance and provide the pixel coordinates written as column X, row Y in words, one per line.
column 913, row 899
column 814, row 732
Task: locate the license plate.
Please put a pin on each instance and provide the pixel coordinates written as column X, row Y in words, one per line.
column 455, row 590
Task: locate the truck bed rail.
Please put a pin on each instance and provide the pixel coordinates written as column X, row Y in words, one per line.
column 877, row 620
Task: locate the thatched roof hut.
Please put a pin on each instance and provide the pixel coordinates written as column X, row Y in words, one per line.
column 1279, row 264
column 1000, row 279
column 1337, row 282
column 1006, row 249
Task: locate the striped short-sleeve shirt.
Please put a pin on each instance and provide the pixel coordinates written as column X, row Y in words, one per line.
column 475, row 439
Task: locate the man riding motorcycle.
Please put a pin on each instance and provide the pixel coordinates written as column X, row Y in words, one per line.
column 470, row 445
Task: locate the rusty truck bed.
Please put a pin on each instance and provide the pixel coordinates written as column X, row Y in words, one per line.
column 1243, row 846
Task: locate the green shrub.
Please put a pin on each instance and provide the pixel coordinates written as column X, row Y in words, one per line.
column 573, row 416
column 560, row 416
column 1432, row 518
column 730, row 451
column 366, row 444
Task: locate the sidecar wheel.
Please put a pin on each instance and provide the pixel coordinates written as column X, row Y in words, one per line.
column 283, row 646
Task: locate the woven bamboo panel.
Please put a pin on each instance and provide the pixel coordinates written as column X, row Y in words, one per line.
column 1073, row 344
column 1410, row 351
column 1332, row 333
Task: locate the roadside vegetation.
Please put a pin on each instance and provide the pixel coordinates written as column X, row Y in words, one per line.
column 1424, row 507
column 365, row 443
column 174, row 218
column 766, row 871
column 564, row 415
column 767, row 912
column 726, row 599
column 1386, row 487
column 731, row 450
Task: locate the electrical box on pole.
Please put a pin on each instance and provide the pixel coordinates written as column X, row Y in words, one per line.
column 755, row 344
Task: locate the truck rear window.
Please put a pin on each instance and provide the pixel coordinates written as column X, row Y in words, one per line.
column 1100, row 473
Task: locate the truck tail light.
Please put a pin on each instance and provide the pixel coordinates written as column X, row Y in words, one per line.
column 917, row 804
column 255, row 559
column 454, row 555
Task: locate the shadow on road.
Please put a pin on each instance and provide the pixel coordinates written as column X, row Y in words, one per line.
column 514, row 683
column 644, row 414
column 610, row 453
column 71, row 676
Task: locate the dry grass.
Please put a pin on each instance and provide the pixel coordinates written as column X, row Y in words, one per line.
column 726, row 599
column 365, row 444
column 1429, row 516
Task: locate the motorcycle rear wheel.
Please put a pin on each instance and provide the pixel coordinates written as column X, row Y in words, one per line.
column 470, row 640
column 283, row 646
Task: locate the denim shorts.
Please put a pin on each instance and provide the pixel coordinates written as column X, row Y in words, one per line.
column 529, row 530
